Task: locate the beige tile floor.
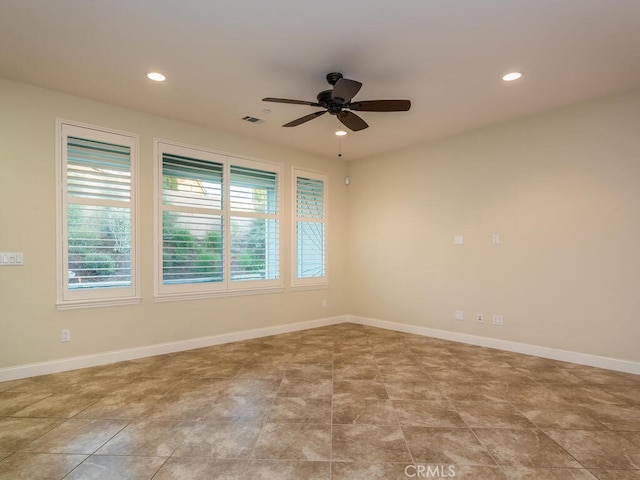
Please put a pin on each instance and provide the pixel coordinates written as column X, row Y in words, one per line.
column 338, row 402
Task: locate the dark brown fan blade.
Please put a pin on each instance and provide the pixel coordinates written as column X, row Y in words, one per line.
column 380, row 106
column 345, row 90
column 352, row 121
column 287, row 100
column 304, row 119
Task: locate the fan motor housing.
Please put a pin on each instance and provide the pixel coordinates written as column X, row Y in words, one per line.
column 325, row 99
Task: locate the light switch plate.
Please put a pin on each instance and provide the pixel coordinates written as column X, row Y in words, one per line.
column 8, row 259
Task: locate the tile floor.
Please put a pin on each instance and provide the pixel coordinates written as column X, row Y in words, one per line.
column 338, row 402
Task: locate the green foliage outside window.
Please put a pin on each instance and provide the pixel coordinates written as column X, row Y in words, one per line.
column 190, row 257
column 99, row 245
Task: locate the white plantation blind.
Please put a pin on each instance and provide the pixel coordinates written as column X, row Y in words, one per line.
column 220, row 223
column 309, row 198
column 98, row 214
column 255, row 228
column 253, row 190
column 98, row 170
column 310, row 227
column 192, row 220
column 189, row 182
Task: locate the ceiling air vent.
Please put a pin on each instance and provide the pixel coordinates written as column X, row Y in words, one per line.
column 251, row 119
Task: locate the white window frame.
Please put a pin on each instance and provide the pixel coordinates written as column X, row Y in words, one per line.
column 93, row 297
column 227, row 287
column 313, row 282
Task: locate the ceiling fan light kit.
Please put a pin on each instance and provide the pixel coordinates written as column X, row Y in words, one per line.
column 337, row 101
column 156, row 76
column 512, row 76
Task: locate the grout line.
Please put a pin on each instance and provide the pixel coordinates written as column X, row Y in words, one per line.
column 398, row 423
column 163, row 464
column 332, row 406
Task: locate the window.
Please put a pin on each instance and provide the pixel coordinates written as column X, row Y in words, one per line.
column 218, row 224
column 309, row 219
column 97, row 217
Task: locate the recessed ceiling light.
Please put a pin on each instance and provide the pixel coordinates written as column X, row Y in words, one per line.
column 341, row 133
column 510, row 77
column 156, row 76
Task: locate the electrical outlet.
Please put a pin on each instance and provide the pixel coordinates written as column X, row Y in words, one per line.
column 65, row 335
column 324, row 303
column 458, row 315
column 498, row 320
column 480, row 318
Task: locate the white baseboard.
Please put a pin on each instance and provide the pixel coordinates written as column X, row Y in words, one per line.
column 84, row 361
column 620, row 365
column 55, row 366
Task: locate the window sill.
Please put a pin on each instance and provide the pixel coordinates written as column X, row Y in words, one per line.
column 316, row 286
column 111, row 302
column 176, row 297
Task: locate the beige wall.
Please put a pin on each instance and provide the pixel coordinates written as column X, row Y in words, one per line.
column 29, row 322
column 561, row 188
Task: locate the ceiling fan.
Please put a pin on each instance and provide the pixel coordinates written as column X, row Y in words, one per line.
column 337, row 101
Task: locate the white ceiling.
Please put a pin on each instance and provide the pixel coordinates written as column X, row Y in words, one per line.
column 222, row 57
